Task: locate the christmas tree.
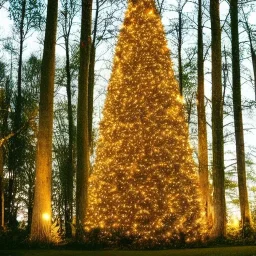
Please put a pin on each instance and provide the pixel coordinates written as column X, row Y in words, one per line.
column 144, row 183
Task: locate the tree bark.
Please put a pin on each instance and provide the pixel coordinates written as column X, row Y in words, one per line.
column 18, row 103
column 219, row 223
column 179, row 53
column 4, row 115
column 82, row 120
column 238, row 119
column 91, row 76
column 253, row 54
column 202, row 126
column 14, row 158
column 41, row 218
column 254, row 66
column 1, row 162
column 90, row 96
column 69, row 170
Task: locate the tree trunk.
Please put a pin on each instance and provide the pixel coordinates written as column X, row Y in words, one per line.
column 1, row 161
column 41, row 218
column 91, row 77
column 30, row 208
column 238, row 119
column 70, row 169
column 179, row 53
column 14, row 158
column 18, row 103
column 4, row 129
column 254, row 66
column 253, row 55
column 82, row 119
column 219, row 223
column 1, row 189
column 202, row 127
column 90, row 96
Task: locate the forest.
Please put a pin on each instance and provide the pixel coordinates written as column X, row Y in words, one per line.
column 127, row 123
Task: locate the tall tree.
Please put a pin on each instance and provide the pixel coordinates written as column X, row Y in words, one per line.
column 82, row 119
column 1, row 160
column 219, row 218
column 238, row 119
column 202, row 126
column 101, row 30
column 91, row 76
column 68, row 14
column 2, row 109
column 252, row 49
column 26, row 16
column 179, row 30
column 5, row 98
column 41, row 218
column 180, row 41
column 31, row 75
column 60, row 176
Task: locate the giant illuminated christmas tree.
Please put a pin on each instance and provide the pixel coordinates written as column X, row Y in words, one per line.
column 144, row 182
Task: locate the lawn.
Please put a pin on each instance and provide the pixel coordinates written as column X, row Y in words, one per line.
column 221, row 251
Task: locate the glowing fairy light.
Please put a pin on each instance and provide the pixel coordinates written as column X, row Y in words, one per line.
column 150, row 12
column 180, row 99
column 144, row 182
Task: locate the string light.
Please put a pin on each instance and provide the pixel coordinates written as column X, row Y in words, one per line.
column 144, row 181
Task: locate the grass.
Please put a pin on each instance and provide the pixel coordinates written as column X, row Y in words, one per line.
column 220, row 251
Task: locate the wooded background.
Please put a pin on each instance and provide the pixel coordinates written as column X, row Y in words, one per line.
column 215, row 62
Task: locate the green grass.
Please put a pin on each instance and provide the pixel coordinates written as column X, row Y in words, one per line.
column 220, row 251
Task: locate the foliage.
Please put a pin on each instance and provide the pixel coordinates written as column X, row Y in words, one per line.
column 13, row 239
column 33, row 10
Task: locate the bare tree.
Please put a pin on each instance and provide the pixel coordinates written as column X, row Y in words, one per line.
column 160, row 5
column 82, row 119
column 219, row 204
column 41, row 218
column 178, row 28
column 1, row 161
column 26, row 16
column 202, row 125
column 238, row 119
column 249, row 32
column 68, row 13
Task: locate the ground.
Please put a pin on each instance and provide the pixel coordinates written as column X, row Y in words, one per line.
column 221, row 251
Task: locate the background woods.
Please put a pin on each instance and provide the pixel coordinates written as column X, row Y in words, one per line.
column 56, row 61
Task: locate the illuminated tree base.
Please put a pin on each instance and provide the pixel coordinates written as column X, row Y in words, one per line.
column 98, row 238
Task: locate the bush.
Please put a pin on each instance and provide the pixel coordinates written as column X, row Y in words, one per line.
column 13, row 239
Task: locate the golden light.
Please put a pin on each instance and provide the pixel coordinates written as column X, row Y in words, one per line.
column 144, row 180
column 46, row 216
column 180, row 99
column 150, row 12
column 234, row 221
